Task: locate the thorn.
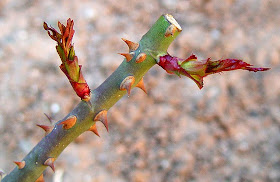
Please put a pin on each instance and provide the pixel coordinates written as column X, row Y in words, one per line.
column 131, row 45
column 141, row 57
column 127, row 84
column 69, row 122
column 102, row 116
column 93, row 129
column 50, row 162
column 40, row 179
column 49, row 118
column 128, row 56
column 141, row 85
column 170, row 30
column 47, row 129
column 20, row 164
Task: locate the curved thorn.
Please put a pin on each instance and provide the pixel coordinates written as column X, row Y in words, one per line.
column 49, row 118
column 69, row 122
column 20, row 164
column 128, row 56
column 102, row 116
column 93, row 129
column 141, row 57
column 127, row 84
column 131, row 45
column 47, row 129
column 40, row 179
column 50, row 162
column 141, row 85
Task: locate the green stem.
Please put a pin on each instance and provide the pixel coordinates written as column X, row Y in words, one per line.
column 153, row 43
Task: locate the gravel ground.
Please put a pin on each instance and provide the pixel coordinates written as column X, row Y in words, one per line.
column 228, row 131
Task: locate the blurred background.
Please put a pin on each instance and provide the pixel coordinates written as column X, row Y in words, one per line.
column 228, row 131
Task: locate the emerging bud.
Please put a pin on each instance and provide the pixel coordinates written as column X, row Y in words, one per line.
column 197, row 70
column 66, row 52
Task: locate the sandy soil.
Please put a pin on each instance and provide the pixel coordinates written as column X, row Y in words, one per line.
column 228, row 131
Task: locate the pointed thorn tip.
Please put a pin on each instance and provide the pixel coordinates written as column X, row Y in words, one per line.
column 46, row 128
column 128, row 56
column 49, row 118
column 69, row 122
column 102, row 116
column 50, row 162
column 141, row 85
column 131, row 45
column 93, row 129
column 40, row 179
column 20, row 164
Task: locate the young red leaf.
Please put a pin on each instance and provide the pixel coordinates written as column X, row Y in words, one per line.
column 197, row 70
column 65, row 50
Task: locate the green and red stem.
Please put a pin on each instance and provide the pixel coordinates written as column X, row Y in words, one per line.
column 69, row 66
column 151, row 49
column 102, row 98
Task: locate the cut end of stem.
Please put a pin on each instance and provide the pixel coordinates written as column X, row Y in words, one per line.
column 173, row 22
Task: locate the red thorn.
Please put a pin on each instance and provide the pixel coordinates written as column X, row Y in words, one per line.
column 20, row 164
column 102, row 116
column 131, row 45
column 40, row 179
column 49, row 118
column 50, row 162
column 69, row 122
column 127, row 84
column 141, row 85
column 141, row 57
column 93, row 129
column 47, row 129
column 128, row 56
